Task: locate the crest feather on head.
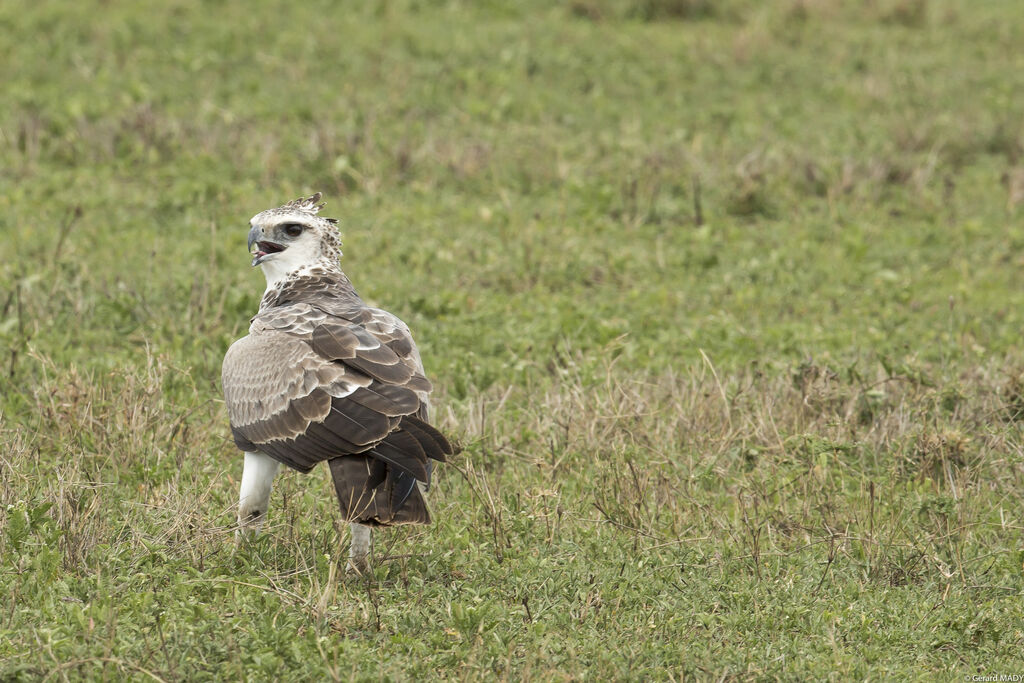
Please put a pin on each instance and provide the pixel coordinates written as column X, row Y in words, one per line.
column 309, row 205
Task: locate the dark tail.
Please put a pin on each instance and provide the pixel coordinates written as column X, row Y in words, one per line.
column 378, row 488
column 376, row 505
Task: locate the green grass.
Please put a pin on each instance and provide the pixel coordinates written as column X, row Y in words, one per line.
column 723, row 300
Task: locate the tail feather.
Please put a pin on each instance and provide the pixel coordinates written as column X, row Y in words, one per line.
column 378, row 487
column 402, row 487
column 393, row 501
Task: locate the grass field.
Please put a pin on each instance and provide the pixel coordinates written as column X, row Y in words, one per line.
column 722, row 299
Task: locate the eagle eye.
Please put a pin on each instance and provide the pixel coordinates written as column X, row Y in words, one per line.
column 292, row 229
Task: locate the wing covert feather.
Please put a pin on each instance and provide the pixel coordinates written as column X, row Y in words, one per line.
column 306, row 386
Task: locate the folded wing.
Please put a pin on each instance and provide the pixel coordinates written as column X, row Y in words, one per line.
column 307, row 386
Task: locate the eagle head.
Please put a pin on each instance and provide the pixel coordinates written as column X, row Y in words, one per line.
column 293, row 236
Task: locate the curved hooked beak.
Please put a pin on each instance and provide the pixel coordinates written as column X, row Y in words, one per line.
column 254, row 236
column 263, row 247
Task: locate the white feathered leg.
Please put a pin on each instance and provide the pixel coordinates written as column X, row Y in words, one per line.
column 359, row 550
column 257, row 480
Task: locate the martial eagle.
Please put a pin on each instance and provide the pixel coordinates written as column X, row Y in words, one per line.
column 322, row 376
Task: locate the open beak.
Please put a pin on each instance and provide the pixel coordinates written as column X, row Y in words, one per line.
column 263, row 248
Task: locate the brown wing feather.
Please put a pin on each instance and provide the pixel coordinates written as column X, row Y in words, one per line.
column 432, row 441
column 400, row 449
column 329, row 379
column 278, row 385
column 388, row 399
